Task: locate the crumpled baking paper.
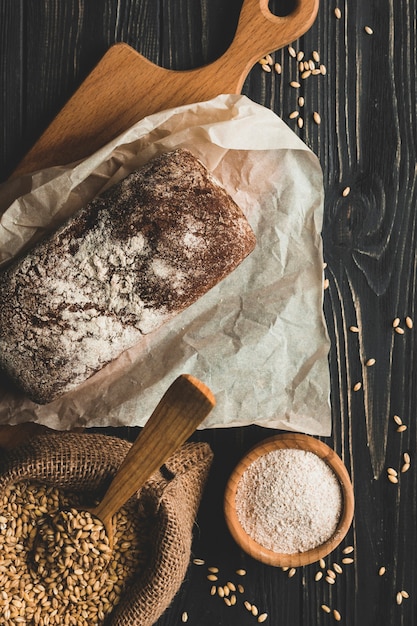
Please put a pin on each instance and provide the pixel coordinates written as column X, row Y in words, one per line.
column 258, row 339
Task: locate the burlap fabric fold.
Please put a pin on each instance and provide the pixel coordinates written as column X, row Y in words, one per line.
column 88, row 462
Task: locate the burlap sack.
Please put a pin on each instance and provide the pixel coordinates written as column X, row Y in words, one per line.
column 88, row 462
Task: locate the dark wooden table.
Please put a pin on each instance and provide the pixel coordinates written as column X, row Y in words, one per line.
column 366, row 141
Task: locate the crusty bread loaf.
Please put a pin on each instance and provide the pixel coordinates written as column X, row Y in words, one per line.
column 130, row 260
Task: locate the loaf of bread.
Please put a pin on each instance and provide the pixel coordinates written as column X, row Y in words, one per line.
column 134, row 257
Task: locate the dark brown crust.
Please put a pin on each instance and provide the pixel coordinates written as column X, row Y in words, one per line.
column 130, row 260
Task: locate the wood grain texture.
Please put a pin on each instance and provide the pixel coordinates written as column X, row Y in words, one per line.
column 366, row 140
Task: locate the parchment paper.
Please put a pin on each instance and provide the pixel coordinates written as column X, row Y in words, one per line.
column 258, row 339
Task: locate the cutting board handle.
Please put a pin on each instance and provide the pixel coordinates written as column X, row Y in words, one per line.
column 260, row 32
column 125, row 87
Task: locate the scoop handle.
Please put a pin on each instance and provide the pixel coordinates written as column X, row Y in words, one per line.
column 181, row 409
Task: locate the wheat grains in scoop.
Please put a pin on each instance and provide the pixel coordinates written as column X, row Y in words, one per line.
column 289, row 501
column 72, row 549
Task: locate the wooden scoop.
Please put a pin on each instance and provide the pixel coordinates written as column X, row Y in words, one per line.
column 125, row 87
column 181, row 409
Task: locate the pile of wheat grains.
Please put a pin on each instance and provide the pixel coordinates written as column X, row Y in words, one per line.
column 64, row 574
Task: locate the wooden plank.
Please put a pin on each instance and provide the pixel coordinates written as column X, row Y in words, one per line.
column 11, row 84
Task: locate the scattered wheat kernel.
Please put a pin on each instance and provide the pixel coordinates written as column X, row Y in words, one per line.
column 262, row 617
column 295, row 84
column 337, row 568
column 399, row 330
column 338, row 13
column 357, row 386
column 397, row 419
column 326, row 281
column 306, row 74
column 241, row 572
column 184, row 617
column 240, row 588
column 406, row 458
column 266, row 67
column 231, row 586
column 213, row 570
column 368, row 30
column 300, row 55
column 346, row 192
column 278, row 68
column 220, row 592
column 409, row 322
column 401, row 428
column 392, row 479
column 326, row 608
column 226, row 590
column 198, row 562
column 233, row 599
column 331, row 573
column 404, row 593
column 347, row 560
column 301, row 66
column 337, row 615
column 354, row 329
column 213, row 590
column 318, row 576
column 322, row 563
column 405, row 467
column 348, row 550
column 316, row 56
column 323, row 69
column 285, row 568
column 392, row 471
column 395, row 322
column 370, row 362
column 291, row 572
column 330, row 580
column 247, row 605
column 301, row 101
column 254, row 610
column 399, row 598
column 316, row 71
column 212, row 577
column 227, row 601
column 269, row 59
column 293, row 115
column 291, row 51
column 316, row 117
column 382, row 571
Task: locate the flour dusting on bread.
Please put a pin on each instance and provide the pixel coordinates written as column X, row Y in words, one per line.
column 130, row 260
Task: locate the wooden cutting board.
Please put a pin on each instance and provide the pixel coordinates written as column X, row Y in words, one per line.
column 125, row 87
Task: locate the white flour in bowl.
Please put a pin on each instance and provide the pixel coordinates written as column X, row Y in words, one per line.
column 289, row 501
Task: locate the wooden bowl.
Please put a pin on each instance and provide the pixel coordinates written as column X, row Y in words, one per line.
column 256, row 550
